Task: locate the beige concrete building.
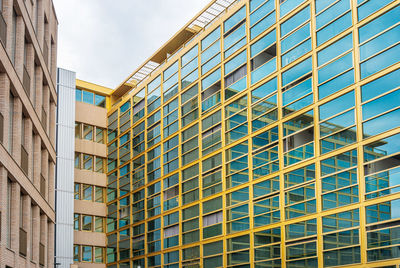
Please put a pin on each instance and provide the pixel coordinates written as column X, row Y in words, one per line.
column 90, row 180
column 28, row 100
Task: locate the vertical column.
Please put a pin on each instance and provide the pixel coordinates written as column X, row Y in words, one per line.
column 28, row 147
column 35, row 234
column 3, row 203
column 20, row 46
column 44, row 172
column 52, row 119
column 51, row 183
column 17, row 123
column 7, row 14
column 38, row 89
column 50, row 245
column 44, row 236
column 15, row 209
column 46, row 106
column 4, row 105
column 40, row 23
column 37, row 155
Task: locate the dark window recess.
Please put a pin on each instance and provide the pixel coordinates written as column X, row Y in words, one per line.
column 24, row 160
column 1, row 128
column 304, row 240
column 42, row 185
column 236, row 75
column 383, row 164
column 3, row 30
column 235, row 27
column 211, row 90
column 298, row 139
column 23, row 240
column 383, row 225
column 263, row 57
column 26, row 80
column 298, row 81
column 41, row 254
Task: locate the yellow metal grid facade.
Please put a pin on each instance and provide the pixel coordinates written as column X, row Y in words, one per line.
column 268, row 164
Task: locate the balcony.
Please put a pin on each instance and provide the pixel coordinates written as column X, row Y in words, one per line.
column 42, row 185
column 23, row 242
column 24, row 160
column 41, row 254
column 3, row 30
column 26, row 81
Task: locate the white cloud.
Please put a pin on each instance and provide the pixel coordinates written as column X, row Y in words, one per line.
column 104, row 41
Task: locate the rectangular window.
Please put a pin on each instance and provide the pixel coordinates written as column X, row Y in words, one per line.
column 263, row 57
column 332, row 20
column 262, row 16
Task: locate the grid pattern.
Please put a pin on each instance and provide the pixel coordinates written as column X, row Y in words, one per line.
column 271, row 141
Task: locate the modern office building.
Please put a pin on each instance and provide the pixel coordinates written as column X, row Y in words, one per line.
column 28, row 99
column 264, row 133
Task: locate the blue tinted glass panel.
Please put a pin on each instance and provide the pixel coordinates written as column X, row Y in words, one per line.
column 171, row 70
column 335, row 67
column 235, row 19
column 211, row 79
column 154, row 84
column 235, row 48
column 380, row 105
column 379, row 24
column 334, row 29
column 235, row 36
column 189, row 67
column 211, row 64
column 381, row 61
column 193, row 52
column 297, row 92
column 236, row 87
column 125, row 107
column 264, row 90
column 235, row 62
column 296, row 37
column 288, row 6
column 88, row 97
column 321, row 4
column 332, row 12
column 380, row 85
column 263, row 71
column 370, row 7
column 296, row 72
column 255, row 4
column 296, row 53
column 336, row 84
column 334, row 50
column 382, row 123
column 337, row 105
column 261, row 26
column 262, row 12
column 380, row 43
column 78, row 95
column 210, row 52
column 295, row 21
column 263, row 43
column 214, row 35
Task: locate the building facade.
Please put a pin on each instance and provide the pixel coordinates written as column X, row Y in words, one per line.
column 268, row 137
column 90, row 179
column 28, row 99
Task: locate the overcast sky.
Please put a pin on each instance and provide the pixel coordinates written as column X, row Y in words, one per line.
column 104, row 41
